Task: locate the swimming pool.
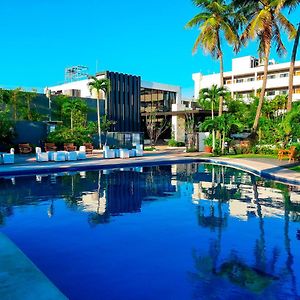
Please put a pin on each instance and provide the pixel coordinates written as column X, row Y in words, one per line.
column 189, row 231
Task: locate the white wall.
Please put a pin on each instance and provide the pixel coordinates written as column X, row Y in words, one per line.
column 242, row 68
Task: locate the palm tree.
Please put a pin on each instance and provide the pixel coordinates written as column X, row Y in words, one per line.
column 214, row 20
column 71, row 106
column 104, row 86
column 212, row 96
column 265, row 22
column 292, row 67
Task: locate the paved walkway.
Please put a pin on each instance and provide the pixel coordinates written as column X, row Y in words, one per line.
column 268, row 168
column 20, row 279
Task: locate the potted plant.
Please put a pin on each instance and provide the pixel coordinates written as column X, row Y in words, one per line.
column 208, row 144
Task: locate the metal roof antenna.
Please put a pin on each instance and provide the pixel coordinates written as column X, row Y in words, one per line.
column 75, row 73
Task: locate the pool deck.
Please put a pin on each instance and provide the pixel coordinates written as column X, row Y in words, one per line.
column 20, row 279
column 268, row 168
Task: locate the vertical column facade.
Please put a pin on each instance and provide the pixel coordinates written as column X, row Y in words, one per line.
column 123, row 102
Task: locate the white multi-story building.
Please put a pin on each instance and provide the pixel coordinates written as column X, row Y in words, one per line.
column 246, row 76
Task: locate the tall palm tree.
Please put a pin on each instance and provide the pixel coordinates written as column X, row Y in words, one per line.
column 265, row 21
column 212, row 96
column 292, row 67
column 214, row 20
column 98, row 85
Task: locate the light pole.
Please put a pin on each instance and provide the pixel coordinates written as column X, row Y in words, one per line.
column 48, row 95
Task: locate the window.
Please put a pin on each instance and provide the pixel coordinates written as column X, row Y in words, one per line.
column 297, row 91
column 271, row 93
column 250, row 79
column 283, row 75
column 240, row 80
column 260, row 77
column 297, row 73
column 228, row 81
column 283, row 92
column 271, row 76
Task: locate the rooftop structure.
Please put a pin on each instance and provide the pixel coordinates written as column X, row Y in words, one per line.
column 246, row 77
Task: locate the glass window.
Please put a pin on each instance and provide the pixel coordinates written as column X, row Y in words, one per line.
column 271, row 93
column 282, row 75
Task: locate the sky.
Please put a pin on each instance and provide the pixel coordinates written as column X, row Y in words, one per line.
column 40, row 38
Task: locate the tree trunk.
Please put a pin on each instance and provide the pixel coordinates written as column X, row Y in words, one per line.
column 213, row 131
column 221, row 83
column 223, row 142
column 98, row 119
column 263, row 89
column 71, row 119
column 28, row 109
column 292, row 67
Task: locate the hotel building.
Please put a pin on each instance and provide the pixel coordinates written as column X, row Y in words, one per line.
column 246, row 77
column 131, row 100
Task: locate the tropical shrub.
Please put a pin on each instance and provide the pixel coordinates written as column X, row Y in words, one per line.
column 173, row 143
column 7, row 132
column 78, row 135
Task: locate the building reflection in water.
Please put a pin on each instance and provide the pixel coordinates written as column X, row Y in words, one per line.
column 218, row 193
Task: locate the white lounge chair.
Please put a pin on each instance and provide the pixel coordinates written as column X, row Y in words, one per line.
column 41, row 156
column 81, row 154
column 117, row 153
column 108, row 153
column 51, row 155
column 124, row 153
column 9, row 158
column 59, row 156
column 139, row 150
column 71, row 155
column 132, row 153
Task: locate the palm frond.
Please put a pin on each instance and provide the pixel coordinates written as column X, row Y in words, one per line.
column 287, row 26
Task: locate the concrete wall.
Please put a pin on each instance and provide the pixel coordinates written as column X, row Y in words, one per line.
column 30, row 132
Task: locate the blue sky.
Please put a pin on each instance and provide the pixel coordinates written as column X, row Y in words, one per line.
column 147, row 38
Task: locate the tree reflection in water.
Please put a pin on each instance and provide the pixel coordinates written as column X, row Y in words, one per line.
column 210, row 275
column 103, row 195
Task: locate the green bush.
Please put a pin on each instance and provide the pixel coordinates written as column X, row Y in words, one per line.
column 7, row 132
column 193, row 149
column 149, row 149
column 174, row 143
column 78, row 135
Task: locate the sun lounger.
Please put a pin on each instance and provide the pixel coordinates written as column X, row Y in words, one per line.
column 124, row 153
column 8, row 158
column 88, row 148
column 59, row 156
column 117, row 153
column 50, row 147
column 81, row 154
column 69, row 147
column 41, row 156
column 25, row 148
column 71, row 155
column 139, row 150
column 290, row 154
column 132, row 153
column 108, row 153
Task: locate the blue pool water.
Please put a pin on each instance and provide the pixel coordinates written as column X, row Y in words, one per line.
column 193, row 231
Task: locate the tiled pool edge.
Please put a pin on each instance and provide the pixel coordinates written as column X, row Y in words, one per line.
column 97, row 165
column 260, row 173
column 20, row 278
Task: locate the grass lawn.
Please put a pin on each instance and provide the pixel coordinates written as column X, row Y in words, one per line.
column 295, row 168
column 251, row 155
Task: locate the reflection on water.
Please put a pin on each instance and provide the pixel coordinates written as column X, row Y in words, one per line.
column 250, row 227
